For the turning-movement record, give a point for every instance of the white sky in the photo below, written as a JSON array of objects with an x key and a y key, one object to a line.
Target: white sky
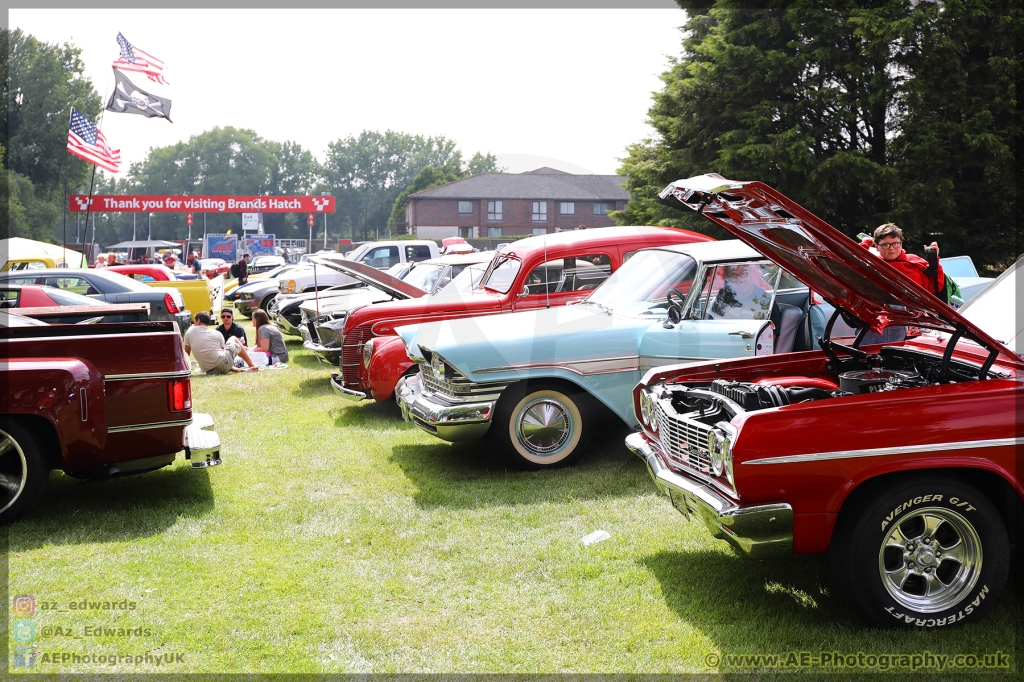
[{"x": 571, "y": 85}]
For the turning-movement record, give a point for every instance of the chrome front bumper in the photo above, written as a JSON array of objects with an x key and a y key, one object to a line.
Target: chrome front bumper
[
  {"x": 329, "y": 354},
  {"x": 284, "y": 325},
  {"x": 759, "y": 532},
  {"x": 202, "y": 447},
  {"x": 338, "y": 384},
  {"x": 448, "y": 421}
]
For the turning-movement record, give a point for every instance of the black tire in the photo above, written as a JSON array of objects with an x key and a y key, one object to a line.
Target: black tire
[
  {"x": 23, "y": 471},
  {"x": 922, "y": 554},
  {"x": 557, "y": 442}
]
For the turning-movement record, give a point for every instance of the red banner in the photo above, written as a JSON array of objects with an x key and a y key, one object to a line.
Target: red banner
[{"x": 79, "y": 203}]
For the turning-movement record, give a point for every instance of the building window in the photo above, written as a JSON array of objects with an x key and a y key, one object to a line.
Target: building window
[
  {"x": 567, "y": 208},
  {"x": 540, "y": 230},
  {"x": 540, "y": 210},
  {"x": 493, "y": 231},
  {"x": 465, "y": 207},
  {"x": 494, "y": 210},
  {"x": 600, "y": 209},
  {"x": 466, "y": 232}
]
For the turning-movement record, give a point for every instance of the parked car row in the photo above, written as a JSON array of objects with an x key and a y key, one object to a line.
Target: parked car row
[{"x": 742, "y": 366}]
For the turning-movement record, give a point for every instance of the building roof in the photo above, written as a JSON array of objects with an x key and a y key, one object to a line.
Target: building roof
[{"x": 538, "y": 184}]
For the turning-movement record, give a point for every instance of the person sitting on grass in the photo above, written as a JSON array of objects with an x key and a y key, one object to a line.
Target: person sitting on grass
[
  {"x": 229, "y": 329},
  {"x": 211, "y": 352},
  {"x": 269, "y": 338}
]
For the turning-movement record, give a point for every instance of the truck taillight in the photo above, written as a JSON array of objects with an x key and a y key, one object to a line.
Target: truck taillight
[
  {"x": 172, "y": 307},
  {"x": 179, "y": 393}
]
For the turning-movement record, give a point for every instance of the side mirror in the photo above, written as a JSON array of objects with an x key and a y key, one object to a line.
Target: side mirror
[
  {"x": 675, "y": 314},
  {"x": 525, "y": 291}
]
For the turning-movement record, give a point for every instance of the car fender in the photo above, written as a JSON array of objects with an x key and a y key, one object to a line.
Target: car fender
[{"x": 390, "y": 363}]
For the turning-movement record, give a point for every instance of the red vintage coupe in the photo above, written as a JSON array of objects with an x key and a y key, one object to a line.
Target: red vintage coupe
[{"x": 900, "y": 460}]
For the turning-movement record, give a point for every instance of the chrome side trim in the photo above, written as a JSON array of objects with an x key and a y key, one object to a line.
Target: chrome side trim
[
  {"x": 148, "y": 375},
  {"x": 595, "y": 366},
  {"x": 143, "y": 427},
  {"x": 884, "y": 452}
]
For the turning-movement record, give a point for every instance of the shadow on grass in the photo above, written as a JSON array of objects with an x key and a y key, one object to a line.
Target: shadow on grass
[
  {"x": 311, "y": 388},
  {"x": 721, "y": 595},
  {"x": 367, "y": 413},
  {"x": 309, "y": 361},
  {"x": 72, "y": 512},
  {"x": 466, "y": 475}
]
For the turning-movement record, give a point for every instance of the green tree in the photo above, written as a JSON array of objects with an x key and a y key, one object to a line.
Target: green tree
[
  {"x": 41, "y": 82},
  {"x": 836, "y": 104},
  {"x": 432, "y": 177}
]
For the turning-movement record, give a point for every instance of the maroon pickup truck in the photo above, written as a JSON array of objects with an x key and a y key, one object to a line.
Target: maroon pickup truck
[{"x": 94, "y": 401}]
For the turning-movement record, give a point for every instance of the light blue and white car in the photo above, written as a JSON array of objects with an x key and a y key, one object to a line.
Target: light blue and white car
[{"x": 537, "y": 382}]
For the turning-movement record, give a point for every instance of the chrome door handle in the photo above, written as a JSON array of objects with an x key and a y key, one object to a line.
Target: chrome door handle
[{"x": 745, "y": 335}]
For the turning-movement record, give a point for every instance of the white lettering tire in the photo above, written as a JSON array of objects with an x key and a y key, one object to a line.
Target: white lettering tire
[{"x": 924, "y": 553}]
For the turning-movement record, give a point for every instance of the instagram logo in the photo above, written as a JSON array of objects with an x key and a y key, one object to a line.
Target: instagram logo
[{"x": 25, "y": 605}]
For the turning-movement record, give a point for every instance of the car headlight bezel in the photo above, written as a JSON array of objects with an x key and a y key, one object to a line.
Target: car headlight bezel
[
  {"x": 721, "y": 441},
  {"x": 645, "y": 407},
  {"x": 368, "y": 353}
]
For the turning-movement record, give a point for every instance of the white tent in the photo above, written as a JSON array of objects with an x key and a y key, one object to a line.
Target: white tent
[{"x": 18, "y": 247}]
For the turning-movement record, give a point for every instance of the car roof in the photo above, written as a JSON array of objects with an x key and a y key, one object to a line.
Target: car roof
[
  {"x": 462, "y": 258},
  {"x": 595, "y": 236},
  {"x": 728, "y": 249}
]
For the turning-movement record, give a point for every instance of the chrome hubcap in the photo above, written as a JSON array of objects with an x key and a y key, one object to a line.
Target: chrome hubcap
[
  {"x": 544, "y": 425},
  {"x": 13, "y": 471},
  {"x": 930, "y": 560}
]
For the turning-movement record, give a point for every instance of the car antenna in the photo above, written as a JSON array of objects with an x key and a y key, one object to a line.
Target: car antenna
[
  {"x": 316, "y": 291},
  {"x": 547, "y": 287}
]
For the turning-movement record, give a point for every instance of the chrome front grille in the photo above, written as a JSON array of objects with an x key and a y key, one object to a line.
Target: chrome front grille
[
  {"x": 352, "y": 355},
  {"x": 432, "y": 374},
  {"x": 685, "y": 441}
]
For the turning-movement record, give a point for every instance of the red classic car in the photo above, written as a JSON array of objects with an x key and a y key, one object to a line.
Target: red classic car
[
  {"x": 900, "y": 460},
  {"x": 143, "y": 272},
  {"x": 541, "y": 271},
  {"x": 95, "y": 401}
]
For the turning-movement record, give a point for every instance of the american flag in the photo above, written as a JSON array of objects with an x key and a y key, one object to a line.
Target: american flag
[
  {"x": 86, "y": 142},
  {"x": 134, "y": 59}
]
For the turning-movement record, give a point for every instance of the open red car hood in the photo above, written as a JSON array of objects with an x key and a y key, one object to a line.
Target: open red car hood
[
  {"x": 372, "y": 276},
  {"x": 845, "y": 273}
]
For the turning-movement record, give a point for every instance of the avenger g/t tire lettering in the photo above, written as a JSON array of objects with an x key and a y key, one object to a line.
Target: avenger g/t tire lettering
[
  {"x": 541, "y": 426},
  {"x": 926, "y": 553}
]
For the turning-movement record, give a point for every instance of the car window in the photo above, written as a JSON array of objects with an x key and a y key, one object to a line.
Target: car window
[
  {"x": 744, "y": 292},
  {"x": 426, "y": 276},
  {"x": 545, "y": 278},
  {"x": 629, "y": 254},
  {"x": 67, "y": 297},
  {"x": 502, "y": 274},
  {"x": 8, "y": 298},
  {"x": 788, "y": 281},
  {"x": 381, "y": 257},
  {"x": 417, "y": 252},
  {"x": 76, "y": 285},
  {"x": 113, "y": 281},
  {"x": 22, "y": 280},
  {"x": 585, "y": 273},
  {"x": 29, "y": 265}
]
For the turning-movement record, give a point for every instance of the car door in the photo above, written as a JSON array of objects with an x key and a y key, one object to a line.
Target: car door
[{"x": 726, "y": 316}]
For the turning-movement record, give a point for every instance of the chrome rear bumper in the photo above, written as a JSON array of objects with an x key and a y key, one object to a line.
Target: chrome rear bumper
[
  {"x": 759, "y": 532},
  {"x": 448, "y": 421},
  {"x": 202, "y": 447}
]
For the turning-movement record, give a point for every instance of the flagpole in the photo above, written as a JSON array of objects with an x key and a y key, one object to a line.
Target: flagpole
[{"x": 65, "y": 239}]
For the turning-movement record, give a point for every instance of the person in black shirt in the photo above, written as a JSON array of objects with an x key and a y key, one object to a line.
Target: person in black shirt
[
  {"x": 228, "y": 328},
  {"x": 243, "y": 270}
]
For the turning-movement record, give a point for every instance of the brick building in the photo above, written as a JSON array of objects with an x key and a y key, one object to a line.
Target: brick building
[{"x": 504, "y": 204}]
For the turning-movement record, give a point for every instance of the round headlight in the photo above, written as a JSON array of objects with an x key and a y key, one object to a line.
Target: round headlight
[
  {"x": 719, "y": 448},
  {"x": 654, "y": 413},
  {"x": 645, "y": 407},
  {"x": 367, "y": 353}
]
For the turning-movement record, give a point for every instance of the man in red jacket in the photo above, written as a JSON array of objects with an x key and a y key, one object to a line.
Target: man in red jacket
[{"x": 888, "y": 239}]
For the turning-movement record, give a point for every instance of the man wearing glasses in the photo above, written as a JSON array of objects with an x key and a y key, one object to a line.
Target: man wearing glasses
[
  {"x": 228, "y": 328},
  {"x": 888, "y": 239}
]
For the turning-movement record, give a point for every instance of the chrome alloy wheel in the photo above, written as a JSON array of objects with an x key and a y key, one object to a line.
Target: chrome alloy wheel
[
  {"x": 930, "y": 560},
  {"x": 13, "y": 471},
  {"x": 544, "y": 426}
]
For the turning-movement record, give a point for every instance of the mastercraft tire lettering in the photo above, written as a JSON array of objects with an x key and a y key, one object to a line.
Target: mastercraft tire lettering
[{"x": 924, "y": 554}]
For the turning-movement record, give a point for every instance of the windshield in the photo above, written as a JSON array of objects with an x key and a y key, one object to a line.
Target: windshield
[
  {"x": 280, "y": 270},
  {"x": 425, "y": 276},
  {"x": 642, "y": 284},
  {"x": 502, "y": 274},
  {"x": 62, "y": 297},
  {"x": 357, "y": 253},
  {"x": 465, "y": 281},
  {"x": 994, "y": 310}
]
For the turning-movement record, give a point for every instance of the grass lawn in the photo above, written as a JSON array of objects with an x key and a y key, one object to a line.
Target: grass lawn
[{"x": 337, "y": 538}]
